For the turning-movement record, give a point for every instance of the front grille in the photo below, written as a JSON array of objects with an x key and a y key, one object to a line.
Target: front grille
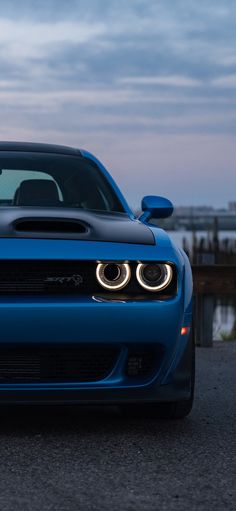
[
  {"x": 47, "y": 277},
  {"x": 64, "y": 277},
  {"x": 57, "y": 363}
]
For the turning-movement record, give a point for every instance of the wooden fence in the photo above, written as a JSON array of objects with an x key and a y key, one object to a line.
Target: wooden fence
[{"x": 210, "y": 251}]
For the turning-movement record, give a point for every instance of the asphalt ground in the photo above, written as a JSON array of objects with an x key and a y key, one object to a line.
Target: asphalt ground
[{"x": 64, "y": 458}]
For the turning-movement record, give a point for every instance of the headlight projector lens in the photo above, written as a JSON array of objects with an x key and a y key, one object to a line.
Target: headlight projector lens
[
  {"x": 113, "y": 276},
  {"x": 153, "y": 276}
]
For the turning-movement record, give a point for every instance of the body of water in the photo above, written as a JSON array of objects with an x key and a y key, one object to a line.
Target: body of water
[
  {"x": 178, "y": 236},
  {"x": 224, "y": 321}
]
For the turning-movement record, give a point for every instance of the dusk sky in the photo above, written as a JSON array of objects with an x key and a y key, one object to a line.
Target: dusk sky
[{"x": 149, "y": 86}]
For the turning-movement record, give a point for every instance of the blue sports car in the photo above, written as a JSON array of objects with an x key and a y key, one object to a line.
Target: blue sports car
[{"x": 95, "y": 304}]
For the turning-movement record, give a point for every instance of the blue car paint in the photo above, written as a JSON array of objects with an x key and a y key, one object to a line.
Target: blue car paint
[{"x": 84, "y": 319}]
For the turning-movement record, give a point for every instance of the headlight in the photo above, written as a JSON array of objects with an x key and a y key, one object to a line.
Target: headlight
[
  {"x": 154, "y": 276},
  {"x": 113, "y": 276}
]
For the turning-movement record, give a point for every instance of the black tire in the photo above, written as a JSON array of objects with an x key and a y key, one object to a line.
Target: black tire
[{"x": 170, "y": 411}]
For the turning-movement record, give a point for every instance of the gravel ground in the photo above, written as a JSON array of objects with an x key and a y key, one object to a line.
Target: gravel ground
[{"x": 92, "y": 459}]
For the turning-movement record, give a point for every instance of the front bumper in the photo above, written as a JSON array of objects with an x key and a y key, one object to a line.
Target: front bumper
[{"x": 27, "y": 321}]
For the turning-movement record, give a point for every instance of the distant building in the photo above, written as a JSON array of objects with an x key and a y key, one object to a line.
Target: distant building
[
  {"x": 201, "y": 218},
  {"x": 232, "y": 206},
  {"x": 192, "y": 210}
]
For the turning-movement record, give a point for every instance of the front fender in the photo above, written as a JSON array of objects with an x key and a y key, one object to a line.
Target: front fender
[{"x": 188, "y": 283}]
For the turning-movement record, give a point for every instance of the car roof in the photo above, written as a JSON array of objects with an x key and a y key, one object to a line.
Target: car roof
[{"x": 38, "y": 148}]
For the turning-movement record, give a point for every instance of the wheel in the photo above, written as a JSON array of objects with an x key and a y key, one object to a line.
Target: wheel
[{"x": 172, "y": 410}]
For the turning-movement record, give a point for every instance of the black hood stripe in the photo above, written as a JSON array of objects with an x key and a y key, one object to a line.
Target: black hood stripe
[{"x": 58, "y": 223}]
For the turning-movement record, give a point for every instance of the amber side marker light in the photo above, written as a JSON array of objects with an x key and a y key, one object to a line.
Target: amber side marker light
[{"x": 185, "y": 330}]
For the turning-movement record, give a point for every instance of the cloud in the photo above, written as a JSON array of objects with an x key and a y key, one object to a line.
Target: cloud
[
  {"x": 227, "y": 81},
  {"x": 172, "y": 81},
  {"x": 27, "y": 39},
  {"x": 122, "y": 79}
]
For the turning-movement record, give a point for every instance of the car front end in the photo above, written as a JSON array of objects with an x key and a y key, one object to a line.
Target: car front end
[{"x": 95, "y": 308}]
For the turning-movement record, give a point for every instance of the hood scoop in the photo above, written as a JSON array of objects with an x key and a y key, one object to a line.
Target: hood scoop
[
  {"x": 72, "y": 224},
  {"x": 52, "y": 226}
]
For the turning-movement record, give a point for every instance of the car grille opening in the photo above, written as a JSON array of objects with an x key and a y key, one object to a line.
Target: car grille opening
[
  {"x": 57, "y": 363},
  {"x": 47, "y": 277}
]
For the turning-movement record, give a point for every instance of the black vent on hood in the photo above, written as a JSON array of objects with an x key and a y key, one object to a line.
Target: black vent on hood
[
  {"x": 53, "y": 226},
  {"x": 77, "y": 224}
]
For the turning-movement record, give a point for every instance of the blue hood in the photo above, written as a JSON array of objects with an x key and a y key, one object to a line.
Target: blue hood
[{"x": 54, "y": 249}]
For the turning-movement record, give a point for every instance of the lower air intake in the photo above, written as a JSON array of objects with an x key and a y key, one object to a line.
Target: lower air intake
[
  {"x": 56, "y": 364},
  {"x": 141, "y": 362}
]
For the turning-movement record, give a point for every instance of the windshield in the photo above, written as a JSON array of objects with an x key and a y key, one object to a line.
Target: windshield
[{"x": 54, "y": 180}]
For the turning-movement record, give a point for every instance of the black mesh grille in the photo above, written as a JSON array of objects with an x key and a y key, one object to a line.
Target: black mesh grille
[
  {"x": 38, "y": 364},
  {"x": 47, "y": 277}
]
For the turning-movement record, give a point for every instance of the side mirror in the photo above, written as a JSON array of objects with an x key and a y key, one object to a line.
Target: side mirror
[{"x": 156, "y": 207}]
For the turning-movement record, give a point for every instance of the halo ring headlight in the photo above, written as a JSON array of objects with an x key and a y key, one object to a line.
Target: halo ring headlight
[
  {"x": 154, "y": 276},
  {"x": 113, "y": 276}
]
